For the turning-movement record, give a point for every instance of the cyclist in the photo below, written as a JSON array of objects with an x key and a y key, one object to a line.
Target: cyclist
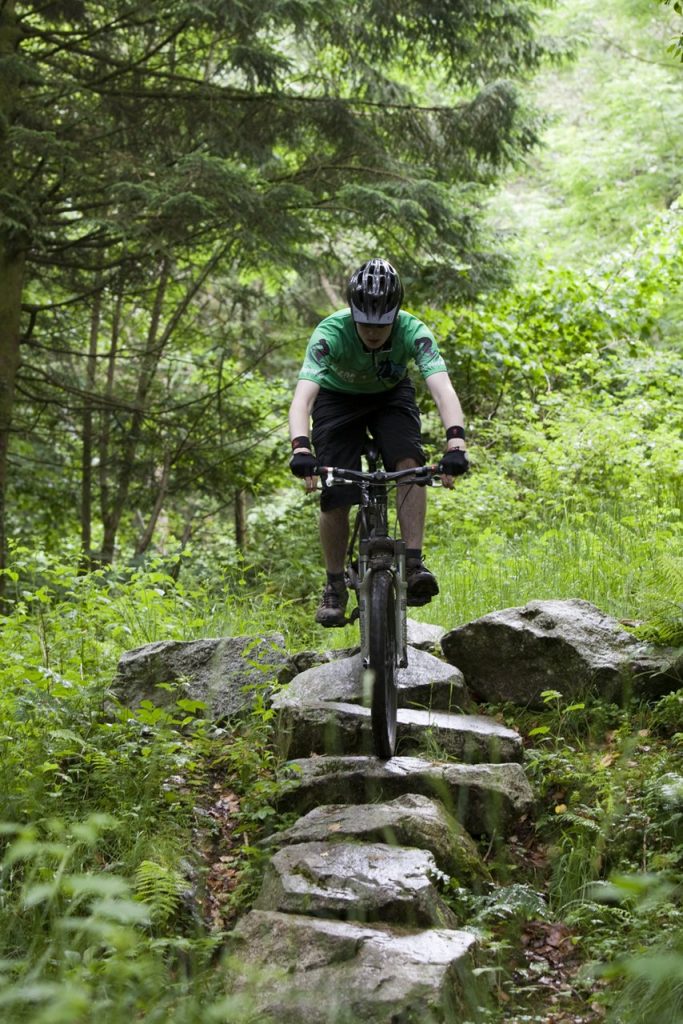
[{"x": 354, "y": 379}]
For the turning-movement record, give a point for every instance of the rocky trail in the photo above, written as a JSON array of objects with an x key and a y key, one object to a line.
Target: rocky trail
[{"x": 351, "y": 923}]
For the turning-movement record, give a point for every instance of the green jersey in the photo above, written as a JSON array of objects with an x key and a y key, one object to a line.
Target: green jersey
[{"x": 337, "y": 360}]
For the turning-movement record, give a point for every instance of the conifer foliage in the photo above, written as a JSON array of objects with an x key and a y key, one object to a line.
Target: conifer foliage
[{"x": 146, "y": 150}]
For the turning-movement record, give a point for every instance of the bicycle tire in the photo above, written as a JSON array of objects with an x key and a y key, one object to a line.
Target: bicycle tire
[{"x": 382, "y": 662}]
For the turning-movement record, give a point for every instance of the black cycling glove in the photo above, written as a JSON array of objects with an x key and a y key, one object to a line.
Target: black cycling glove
[
  {"x": 454, "y": 462},
  {"x": 303, "y": 464}
]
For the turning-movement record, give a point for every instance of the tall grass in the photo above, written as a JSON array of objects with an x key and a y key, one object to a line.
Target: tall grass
[
  {"x": 609, "y": 558},
  {"x": 600, "y": 559}
]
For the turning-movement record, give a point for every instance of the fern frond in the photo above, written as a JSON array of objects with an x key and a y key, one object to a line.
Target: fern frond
[
  {"x": 160, "y": 887},
  {"x": 586, "y": 824},
  {"x": 664, "y": 594}
]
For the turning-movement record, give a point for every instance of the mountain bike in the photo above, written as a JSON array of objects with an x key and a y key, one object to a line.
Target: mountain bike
[{"x": 376, "y": 571}]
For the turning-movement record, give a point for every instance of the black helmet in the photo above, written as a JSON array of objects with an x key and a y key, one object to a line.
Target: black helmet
[{"x": 375, "y": 293}]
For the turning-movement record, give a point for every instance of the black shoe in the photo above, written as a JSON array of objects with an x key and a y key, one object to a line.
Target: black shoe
[
  {"x": 332, "y": 608},
  {"x": 422, "y": 585}
]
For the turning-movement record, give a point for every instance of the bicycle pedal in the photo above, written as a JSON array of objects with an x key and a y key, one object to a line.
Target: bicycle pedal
[{"x": 355, "y": 614}]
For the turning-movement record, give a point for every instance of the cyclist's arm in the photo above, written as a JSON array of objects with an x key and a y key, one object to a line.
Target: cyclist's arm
[
  {"x": 305, "y": 394},
  {"x": 450, "y": 411},
  {"x": 299, "y": 420},
  {"x": 448, "y": 405}
]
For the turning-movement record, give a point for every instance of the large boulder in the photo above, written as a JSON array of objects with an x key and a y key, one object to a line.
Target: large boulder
[
  {"x": 569, "y": 646},
  {"x": 224, "y": 673},
  {"x": 356, "y": 881},
  {"x": 303, "y": 660},
  {"x": 422, "y": 636},
  {"x": 293, "y": 968},
  {"x": 425, "y": 636}
]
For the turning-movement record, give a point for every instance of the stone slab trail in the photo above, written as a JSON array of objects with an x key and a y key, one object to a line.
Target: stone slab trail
[{"x": 351, "y": 924}]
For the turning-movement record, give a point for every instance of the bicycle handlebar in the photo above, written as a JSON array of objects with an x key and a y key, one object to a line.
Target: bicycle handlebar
[{"x": 336, "y": 474}]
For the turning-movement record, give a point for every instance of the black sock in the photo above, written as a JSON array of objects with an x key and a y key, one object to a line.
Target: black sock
[
  {"x": 335, "y": 577},
  {"x": 414, "y": 554}
]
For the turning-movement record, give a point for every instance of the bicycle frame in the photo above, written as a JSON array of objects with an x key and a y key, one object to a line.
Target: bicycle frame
[
  {"x": 381, "y": 589},
  {"x": 376, "y": 548}
]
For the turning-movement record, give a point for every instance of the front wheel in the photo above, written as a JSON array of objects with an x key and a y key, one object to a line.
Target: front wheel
[{"x": 382, "y": 662}]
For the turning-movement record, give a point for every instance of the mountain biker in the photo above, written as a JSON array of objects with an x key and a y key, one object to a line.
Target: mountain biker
[{"x": 354, "y": 379}]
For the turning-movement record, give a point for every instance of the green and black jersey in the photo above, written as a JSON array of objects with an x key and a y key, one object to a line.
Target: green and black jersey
[{"x": 337, "y": 360}]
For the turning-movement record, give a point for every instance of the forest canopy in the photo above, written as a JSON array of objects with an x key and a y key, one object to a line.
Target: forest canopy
[{"x": 182, "y": 185}]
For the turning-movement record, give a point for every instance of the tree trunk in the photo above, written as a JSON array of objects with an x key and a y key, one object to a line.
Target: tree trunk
[
  {"x": 106, "y": 416},
  {"x": 146, "y": 535},
  {"x": 241, "y": 531},
  {"x": 12, "y": 259},
  {"x": 88, "y": 443},
  {"x": 149, "y": 363},
  {"x": 174, "y": 571},
  {"x": 11, "y": 284},
  {"x": 155, "y": 346}
]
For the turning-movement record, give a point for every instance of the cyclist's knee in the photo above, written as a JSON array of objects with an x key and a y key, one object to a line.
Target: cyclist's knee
[
  {"x": 407, "y": 463},
  {"x": 338, "y": 513}
]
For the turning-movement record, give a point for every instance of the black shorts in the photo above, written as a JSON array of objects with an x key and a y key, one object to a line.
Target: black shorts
[{"x": 342, "y": 421}]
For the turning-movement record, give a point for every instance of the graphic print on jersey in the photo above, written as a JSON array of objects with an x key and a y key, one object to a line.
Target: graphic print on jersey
[
  {"x": 425, "y": 348},
  {"x": 320, "y": 350}
]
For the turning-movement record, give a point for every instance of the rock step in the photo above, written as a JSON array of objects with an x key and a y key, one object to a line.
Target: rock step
[
  {"x": 356, "y": 881},
  {"x": 485, "y": 798},
  {"x": 410, "y": 820},
  {"x": 426, "y": 683},
  {"x": 296, "y": 969},
  {"x": 334, "y": 727}
]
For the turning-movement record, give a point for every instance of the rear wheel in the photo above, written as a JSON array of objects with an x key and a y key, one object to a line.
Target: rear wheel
[{"x": 382, "y": 662}]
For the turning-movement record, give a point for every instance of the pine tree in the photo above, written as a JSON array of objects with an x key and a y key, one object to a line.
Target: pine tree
[{"x": 147, "y": 149}]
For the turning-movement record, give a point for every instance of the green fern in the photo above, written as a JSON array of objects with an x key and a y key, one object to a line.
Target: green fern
[
  {"x": 664, "y": 597},
  {"x": 160, "y": 887},
  {"x": 102, "y": 763},
  {"x": 582, "y": 822}
]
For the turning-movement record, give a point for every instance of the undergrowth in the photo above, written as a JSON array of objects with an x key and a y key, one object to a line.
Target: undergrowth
[
  {"x": 595, "y": 885},
  {"x": 113, "y": 820}
]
